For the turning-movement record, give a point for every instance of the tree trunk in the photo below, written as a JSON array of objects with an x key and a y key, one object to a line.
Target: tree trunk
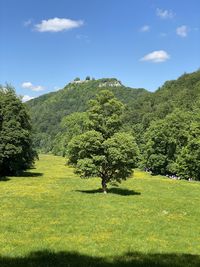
[{"x": 104, "y": 186}]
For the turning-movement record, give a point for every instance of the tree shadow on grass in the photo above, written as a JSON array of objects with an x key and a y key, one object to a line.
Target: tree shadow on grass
[
  {"x": 74, "y": 259},
  {"x": 21, "y": 175},
  {"x": 123, "y": 191},
  {"x": 113, "y": 190},
  {"x": 30, "y": 174},
  {"x": 4, "y": 179}
]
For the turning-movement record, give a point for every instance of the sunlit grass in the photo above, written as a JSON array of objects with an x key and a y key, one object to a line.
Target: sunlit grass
[{"x": 50, "y": 208}]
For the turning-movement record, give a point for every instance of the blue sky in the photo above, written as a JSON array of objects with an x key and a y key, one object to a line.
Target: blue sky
[{"x": 47, "y": 43}]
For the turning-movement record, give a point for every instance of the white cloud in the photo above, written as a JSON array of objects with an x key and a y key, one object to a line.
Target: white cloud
[
  {"x": 156, "y": 56},
  {"x": 26, "y": 98},
  {"x": 145, "y": 28},
  {"x": 164, "y": 13},
  {"x": 29, "y": 85},
  {"x": 57, "y": 25},
  {"x": 182, "y": 31}
]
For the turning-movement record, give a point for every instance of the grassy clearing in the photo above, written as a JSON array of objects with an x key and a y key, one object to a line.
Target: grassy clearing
[{"x": 51, "y": 217}]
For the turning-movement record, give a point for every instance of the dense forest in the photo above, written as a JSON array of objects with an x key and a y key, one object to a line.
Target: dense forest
[{"x": 165, "y": 123}]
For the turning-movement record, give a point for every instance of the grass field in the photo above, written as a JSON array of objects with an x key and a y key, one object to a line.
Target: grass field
[{"x": 51, "y": 217}]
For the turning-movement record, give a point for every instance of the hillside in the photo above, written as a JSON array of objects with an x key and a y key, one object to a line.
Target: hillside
[
  {"x": 182, "y": 93},
  {"x": 48, "y": 110}
]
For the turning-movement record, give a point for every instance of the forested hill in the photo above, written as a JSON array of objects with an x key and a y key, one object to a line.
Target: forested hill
[
  {"x": 143, "y": 107},
  {"x": 182, "y": 93},
  {"x": 48, "y": 110}
]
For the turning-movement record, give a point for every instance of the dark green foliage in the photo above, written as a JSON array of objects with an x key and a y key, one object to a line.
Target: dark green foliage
[
  {"x": 16, "y": 152},
  {"x": 188, "y": 162},
  {"x": 173, "y": 145},
  {"x": 164, "y": 140},
  {"x": 103, "y": 151}
]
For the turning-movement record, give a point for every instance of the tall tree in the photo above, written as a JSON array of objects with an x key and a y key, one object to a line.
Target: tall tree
[
  {"x": 103, "y": 151},
  {"x": 16, "y": 151}
]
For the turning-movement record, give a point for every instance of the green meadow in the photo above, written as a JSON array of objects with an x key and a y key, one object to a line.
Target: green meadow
[{"x": 51, "y": 217}]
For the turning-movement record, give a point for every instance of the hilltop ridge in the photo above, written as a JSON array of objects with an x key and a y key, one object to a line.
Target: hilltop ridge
[{"x": 110, "y": 82}]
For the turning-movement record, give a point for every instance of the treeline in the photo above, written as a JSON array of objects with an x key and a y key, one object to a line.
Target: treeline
[
  {"x": 16, "y": 149},
  {"x": 165, "y": 123}
]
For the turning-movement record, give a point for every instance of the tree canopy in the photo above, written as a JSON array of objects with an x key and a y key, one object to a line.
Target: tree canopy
[{"x": 16, "y": 151}]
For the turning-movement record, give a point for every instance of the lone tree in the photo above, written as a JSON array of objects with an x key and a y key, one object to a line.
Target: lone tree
[
  {"x": 77, "y": 79},
  {"x": 87, "y": 78},
  {"x": 16, "y": 151},
  {"x": 103, "y": 151}
]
